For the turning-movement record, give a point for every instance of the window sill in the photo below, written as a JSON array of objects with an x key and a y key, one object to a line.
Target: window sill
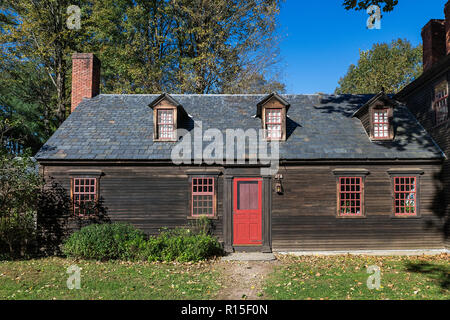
[
  {"x": 164, "y": 140},
  {"x": 406, "y": 217},
  {"x": 202, "y": 216},
  {"x": 351, "y": 217},
  {"x": 84, "y": 217},
  {"x": 381, "y": 139}
]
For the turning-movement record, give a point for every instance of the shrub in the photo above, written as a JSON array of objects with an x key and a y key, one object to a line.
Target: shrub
[
  {"x": 182, "y": 245},
  {"x": 20, "y": 185},
  {"x": 202, "y": 225},
  {"x": 121, "y": 241},
  {"x": 104, "y": 241},
  {"x": 17, "y": 231}
]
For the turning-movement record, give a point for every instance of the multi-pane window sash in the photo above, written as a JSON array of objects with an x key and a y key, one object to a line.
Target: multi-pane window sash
[
  {"x": 273, "y": 123},
  {"x": 350, "y": 196},
  {"x": 440, "y": 103},
  {"x": 380, "y": 124},
  {"x": 165, "y": 124},
  {"x": 405, "y": 196},
  {"x": 84, "y": 196},
  {"x": 203, "y": 196}
]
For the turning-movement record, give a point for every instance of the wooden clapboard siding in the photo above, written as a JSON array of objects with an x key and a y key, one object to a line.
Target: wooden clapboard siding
[
  {"x": 149, "y": 197},
  {"x": 304, "y": 216},
  {"x": 365, "y": 120}
]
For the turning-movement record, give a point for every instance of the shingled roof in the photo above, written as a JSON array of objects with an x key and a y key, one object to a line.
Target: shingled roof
[{"x": 120, "y": 127}]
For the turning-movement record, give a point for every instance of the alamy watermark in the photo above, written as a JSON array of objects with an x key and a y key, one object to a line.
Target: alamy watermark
[
  {"x": 235, "y": 146},
  {"x": 374, "y": 21},
  {"x": 374, "y": 280},
  {"x": 74, "y": 280},
  {"x": 74, "y": 19}
]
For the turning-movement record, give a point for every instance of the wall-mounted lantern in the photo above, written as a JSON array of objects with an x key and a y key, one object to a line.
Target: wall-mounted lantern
[{"x": 278, "y": 185}]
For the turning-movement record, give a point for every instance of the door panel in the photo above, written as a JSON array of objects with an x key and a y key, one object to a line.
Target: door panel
[{"x": 247, "y": 211}]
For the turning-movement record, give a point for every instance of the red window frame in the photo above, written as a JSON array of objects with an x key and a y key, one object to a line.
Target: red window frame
[
  {"x": 440, "y": 103},
  {"x": 405, "y": 196},
  {"x": 84, "y": 191},
  {"x": 165, "y": 124},
  {"x": 203, "y": 200},
  {"x": 381, "y": 124},
  {"x": 351, "y": 195},
  {"x": 274, "y": 119}
]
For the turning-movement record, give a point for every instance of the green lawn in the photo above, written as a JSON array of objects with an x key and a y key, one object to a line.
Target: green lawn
[
  {"x": 308, "y": 277},
  {"x": 345, "y": 277},
  {"x": 47, "y": 278}
]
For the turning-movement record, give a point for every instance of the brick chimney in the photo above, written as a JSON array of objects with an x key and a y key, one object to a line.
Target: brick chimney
[
  {"x": 447, "y": 26},
  {"x": 85, "y": 77},
  {"x": 433, "y": 37}
]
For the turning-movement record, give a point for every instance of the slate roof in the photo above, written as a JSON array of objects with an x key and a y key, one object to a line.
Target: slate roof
[{"x": 120, "y": 127}]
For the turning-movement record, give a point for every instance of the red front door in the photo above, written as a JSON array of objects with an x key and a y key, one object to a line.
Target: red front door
[{"x": 247, "y": 214}]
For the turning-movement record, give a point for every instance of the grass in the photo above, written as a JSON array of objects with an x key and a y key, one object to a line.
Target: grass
[
  {"x": 47, "y": 278},
  {"x": 345, "y": 277},
  {"x": 307, "y": 277}
]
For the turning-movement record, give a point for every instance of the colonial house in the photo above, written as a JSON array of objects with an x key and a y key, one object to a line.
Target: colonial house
[{"x": 273, "y": 172}]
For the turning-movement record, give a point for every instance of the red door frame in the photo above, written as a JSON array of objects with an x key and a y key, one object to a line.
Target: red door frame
[{"x": 236, "y": 213}]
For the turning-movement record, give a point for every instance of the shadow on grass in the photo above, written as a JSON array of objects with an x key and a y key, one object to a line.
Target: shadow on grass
[{"x": 440, "y": 273}]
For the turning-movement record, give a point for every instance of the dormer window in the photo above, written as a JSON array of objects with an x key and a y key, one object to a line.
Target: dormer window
[
  {"x": 440, "y": 102},
  {"x": 273, "y": 110},
  {"x": 381, "y": 124},
  {"x": 377, "y": 116},
  {"x": 166, "y": 124},
  {"x": 274, "y": 123},
  {"x": 167, "y": 115}
]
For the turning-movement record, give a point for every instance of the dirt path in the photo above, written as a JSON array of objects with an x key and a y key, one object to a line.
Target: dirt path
[{"x": 244, "y": 279}]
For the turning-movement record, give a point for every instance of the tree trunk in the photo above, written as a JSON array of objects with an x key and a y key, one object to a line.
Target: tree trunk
[{"x": 60, "y": 69}]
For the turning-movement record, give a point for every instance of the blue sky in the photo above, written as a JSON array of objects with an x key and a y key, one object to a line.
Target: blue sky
[{"x": 320, "y": 39}]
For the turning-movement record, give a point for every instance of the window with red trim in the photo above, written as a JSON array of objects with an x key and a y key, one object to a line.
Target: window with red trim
[
  {"x": 405, "y": 196},
  {"x": 350, "y": 196},
  {"x": 165, "y": 124},
  {"x": 440, "y": 102},
  {"x": 203, "y": 199},
  {"x": 380, "y": 124},
  {"x": 274, "y": 124},
  {"x": 84, "y": 196}
]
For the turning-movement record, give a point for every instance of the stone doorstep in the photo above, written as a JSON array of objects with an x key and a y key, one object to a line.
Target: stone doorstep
[{"x": 249, "y": 256}]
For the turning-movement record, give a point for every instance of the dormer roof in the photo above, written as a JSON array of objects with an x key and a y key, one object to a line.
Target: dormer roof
[
  {"x": 268, "y": 98},
  {"x": 167, "y": 97},
  {"x": 164, "y": 96},
  {"x": 381, "y": 96}
]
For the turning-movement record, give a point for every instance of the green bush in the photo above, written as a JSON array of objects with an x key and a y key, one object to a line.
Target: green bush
[
  {"x": 103, "y": 242},
  {"x": 20, "y": 186},
  {"x": 17, "y": 231},
  {"x": 202, "y": 225},
  {"x": 121, "y": 241},
  {"x": 182, "y": 245}
]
